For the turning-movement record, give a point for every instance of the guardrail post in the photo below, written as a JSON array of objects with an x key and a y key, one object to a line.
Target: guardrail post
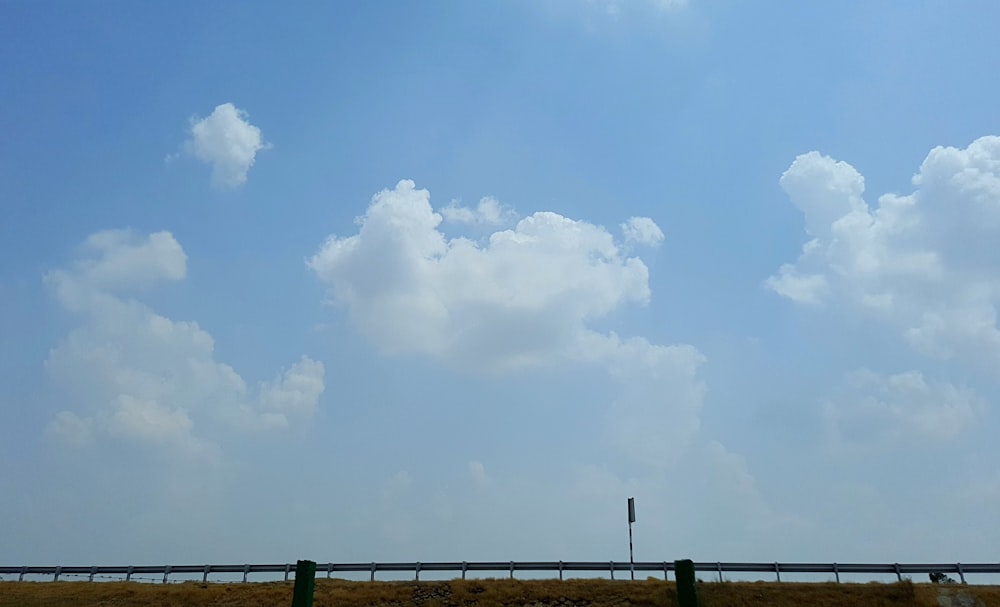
[
  {"x": 373, "y": 572},
  {"x": 718, "y": 567},
  {"x": 560, "y": 570},
  {"x": 288, "y": 567},
  {"x": 57, "y": 572},
  {"x": 464, "y": 567},
  {"x": 246, "y": 571},
  {"x": 961, "y": 574},
  {"x": 204, "y": 573},
  {"x": 93, "y": 570},
  {"x": 611, "y": 566},
  {"x": 329, "y": 570},
  {"x": 24, "y": 570},
  {"x": 128, "y": 574},
  {"x": 666, "y": 576},
  {"x": 512, "y": 570},
  {"x": 899, "y": 576},
  {"x": 836, "y": 572},
  {"x": 305, "y": 584},
  {"x": 687, "y": 589},
  {"x": 166, "y": 572},
  {"x": 416, "y": 573},
  {"x": 777, "y": 571}
]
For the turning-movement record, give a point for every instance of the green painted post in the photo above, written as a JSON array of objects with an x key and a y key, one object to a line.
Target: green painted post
[
  {"x": 687, "y": 589},
  {"x": 305, "y": 583}
]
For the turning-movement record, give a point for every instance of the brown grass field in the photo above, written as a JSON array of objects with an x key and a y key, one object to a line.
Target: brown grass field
[{"x": 494, "y": 593}]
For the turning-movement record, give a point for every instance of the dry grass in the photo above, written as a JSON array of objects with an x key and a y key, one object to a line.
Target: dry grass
[{"x": 493, "y": 593}]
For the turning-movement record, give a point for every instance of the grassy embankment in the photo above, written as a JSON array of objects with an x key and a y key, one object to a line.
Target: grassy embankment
[{"x": 494, "y": 593}]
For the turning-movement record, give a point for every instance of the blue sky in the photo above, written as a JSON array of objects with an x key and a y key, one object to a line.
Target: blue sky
[{"x": 421, "y": 281}]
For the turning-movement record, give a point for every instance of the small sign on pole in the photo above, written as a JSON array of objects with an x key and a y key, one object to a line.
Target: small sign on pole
[{"x": 631, "y": 510}]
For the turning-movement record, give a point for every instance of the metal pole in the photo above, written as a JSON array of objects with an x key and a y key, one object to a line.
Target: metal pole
[
  {"x": 631, "y": 560},
  {"x": 631, "y": 519}
]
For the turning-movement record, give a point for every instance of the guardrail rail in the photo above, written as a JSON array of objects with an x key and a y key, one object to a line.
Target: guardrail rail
[{"x": 509, "y": 567}]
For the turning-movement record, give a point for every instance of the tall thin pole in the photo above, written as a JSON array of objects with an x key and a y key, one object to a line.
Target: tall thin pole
[
  {"x": 631, "y": 519},
  {"x": 631, "y": 560}
]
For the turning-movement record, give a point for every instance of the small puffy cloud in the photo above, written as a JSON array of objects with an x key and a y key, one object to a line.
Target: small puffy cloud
[
  {"x": 133, "y": 374},
  {"x": 227, "y": 142},
  {"x": 642, "y": 230},
  {"x": 926, "y": 262},
  {"x": 489, "y": 212},
  {"x": 871, "y": 408}
]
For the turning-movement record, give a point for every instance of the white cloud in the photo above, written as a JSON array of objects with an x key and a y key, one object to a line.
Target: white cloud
[
  {"x": 642, "y": 230},
  {"x": 489, "y": 212},
  {"x": 116, "y": 261},
  {"x": 524, "y": 298},
  {"x": 926, "y": 263},
  {"x": 134, "y": 374},
  {"x": 228, "y": 142},
  {"x": 871, "y": 408},
  {"x": 519, "y": 300},
  {"x": 803, "y": 289}
]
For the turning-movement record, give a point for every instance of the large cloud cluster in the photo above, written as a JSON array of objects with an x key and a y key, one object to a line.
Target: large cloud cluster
[
  {"x": 523, "y": 297},
  {"x": 925, "y": 263}
]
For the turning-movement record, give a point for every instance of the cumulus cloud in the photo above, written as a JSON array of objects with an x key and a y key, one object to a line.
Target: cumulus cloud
[
  {"x": 871, "y": 408},
  {"x": 134, "y": 374},
  {"x": 526, "y": 297},
  {"x": 642, "y": 230},
  {"x": 926, "y": 262},
  {"x": 516, "y": 301},
  {"x": 227, "y": 142},
  {"x": 489, "y": 212}
]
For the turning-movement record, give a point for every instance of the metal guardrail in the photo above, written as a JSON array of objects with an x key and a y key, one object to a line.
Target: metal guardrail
[{"x": 897, "y": 569}]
